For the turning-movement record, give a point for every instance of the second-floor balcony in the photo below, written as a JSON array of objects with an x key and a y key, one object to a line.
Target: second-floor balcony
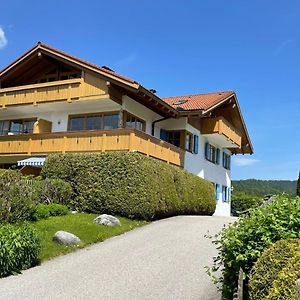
[
  {"x": 90, "y": 141},
  {"x": 223, "y": 131}
]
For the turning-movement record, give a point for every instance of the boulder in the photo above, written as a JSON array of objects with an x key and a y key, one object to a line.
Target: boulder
[
  {"x": 65, "y": 238},
  {"x": 107, "y": 220}
]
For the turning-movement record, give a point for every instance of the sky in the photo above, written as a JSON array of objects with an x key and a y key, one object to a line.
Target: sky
[{"x": 186, "y": 47}]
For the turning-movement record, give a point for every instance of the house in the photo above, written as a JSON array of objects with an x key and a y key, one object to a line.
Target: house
[{"x": 53, "y": 102}]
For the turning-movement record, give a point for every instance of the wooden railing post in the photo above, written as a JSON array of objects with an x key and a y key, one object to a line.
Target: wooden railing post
[
  {"x": 64, "y": 145},
  {"x": 104, "y": 142},
  {"x": 148, "y": 147},
  {"x": 131, "y": 141},
  {"x": 29, "y": 146}
]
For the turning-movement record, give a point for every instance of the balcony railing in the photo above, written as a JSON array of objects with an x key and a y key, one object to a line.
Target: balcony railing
[
  {"x": 91, "y": 141},
  {"x": 62, "y": 90},
  {"x": 221, "y": 126}
]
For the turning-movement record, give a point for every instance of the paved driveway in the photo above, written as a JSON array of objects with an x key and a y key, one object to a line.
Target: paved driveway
[{"x": 163, "y": 260}]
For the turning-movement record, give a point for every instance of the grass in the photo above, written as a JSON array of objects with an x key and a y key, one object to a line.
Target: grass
[{"x": 81, "y": 225}]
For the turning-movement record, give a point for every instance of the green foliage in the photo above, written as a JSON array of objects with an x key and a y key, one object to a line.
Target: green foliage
[
  {"x": 298, "y": 186},
  {"x": 44, "y": 211},
  {"x": 53, "y": 191},
  {"x": 19, "y": 248},
  {"x": 276, "y": 271},
  {"x": 242, "y": 201},
  {"x": 18, "y": 202},
  {"x": 240, "y": 244},
  {"x": 265, "y": 187},
  {"x": 131, "y": 185},
  {"x": 7, "y": 178},
  {"x": 82, "y": 226}
]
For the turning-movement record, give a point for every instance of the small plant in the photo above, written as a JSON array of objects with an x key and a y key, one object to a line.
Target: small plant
[
  {"x": 44, "y": 211},
  {"x": 20, "y": 248}
]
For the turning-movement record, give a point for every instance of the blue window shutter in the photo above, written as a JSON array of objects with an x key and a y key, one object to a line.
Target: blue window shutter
[
  {"x": 229, "y": 162},
  {"x": 218, "y": 156},
  {"x": 163, "y": 134},
  {"x": 206, "y": 150},
  {"x": 224, "y": 163},
  {"x": 196, "y": 144},
  {"x": 229, "y": 194}
]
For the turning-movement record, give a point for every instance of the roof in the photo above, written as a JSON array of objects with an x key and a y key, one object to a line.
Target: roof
[
  {"x": 198, "y": 101},
  {"x": 46, "y": 47}
]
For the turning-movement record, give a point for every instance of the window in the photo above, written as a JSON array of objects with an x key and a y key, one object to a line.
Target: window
[
  {"x": 135, "y": 122},
  {"x": 196, "y": 144},
  {"x": 189, "y": 142},
  {"x": 15, "y": 127},
  {"x": 226, "y": 193},
  {"x": 173, "y": 137},
  {"x": 94, "y": 121},
  {"x": 217, "y": 191},
  {"x": 226, "y": 161},
  {"x": 212, "y": 153}
]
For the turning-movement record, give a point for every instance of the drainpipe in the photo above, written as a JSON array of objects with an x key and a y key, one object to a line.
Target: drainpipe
[{"x": 159, "y": 120}]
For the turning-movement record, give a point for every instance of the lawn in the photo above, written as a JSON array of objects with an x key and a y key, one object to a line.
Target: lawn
[{"x": 80, "y": 225}]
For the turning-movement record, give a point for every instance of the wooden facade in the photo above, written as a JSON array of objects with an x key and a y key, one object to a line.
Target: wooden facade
[{"x": 91, "y": 141}]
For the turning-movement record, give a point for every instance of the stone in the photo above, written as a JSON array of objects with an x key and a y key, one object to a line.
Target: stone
[
  {"x": 107, "y": 220},
  {"x": 66, "y": 238}
]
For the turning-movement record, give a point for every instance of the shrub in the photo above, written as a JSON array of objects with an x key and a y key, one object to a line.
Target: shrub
[
  {"x": 53, "y": 191},
  {"x": 276, "y": 271},
  {"x": 20, "y": 246},
  {"x": 242, "y": 201},
  {"x": 18, "y": 202},
  {"x": 44, "y": 211},
  {"x": 130, "y": 184},
  {"x": 240, "y": 244},
  {"x": 7, "y": 178}
]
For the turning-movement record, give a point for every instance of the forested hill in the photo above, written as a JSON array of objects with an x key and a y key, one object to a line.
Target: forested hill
[{"x": 265, "y": 187}]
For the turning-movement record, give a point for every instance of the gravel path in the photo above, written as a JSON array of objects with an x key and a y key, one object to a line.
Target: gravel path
[{"x": 162, "y": 260}]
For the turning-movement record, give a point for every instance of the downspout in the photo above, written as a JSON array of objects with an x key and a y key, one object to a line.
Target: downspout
[{"x": 159, "y": 120}]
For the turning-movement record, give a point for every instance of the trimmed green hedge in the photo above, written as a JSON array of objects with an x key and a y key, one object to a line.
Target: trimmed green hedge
[
  {"x": 242, "y": 201},
  {"x": 241, "y": 243},
  {"x": 44, "y": 211},
  {"x": 19, "y": 248},
  {"x": 276, "y": 271},
  {"x": 131, "y": 185}
]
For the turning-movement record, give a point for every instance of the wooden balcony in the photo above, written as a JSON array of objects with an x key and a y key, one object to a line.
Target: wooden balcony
[
  {"x": 90, "y": 141},
  {"x": 232, "y": 138},
  {"x": 62, "y": 90}
]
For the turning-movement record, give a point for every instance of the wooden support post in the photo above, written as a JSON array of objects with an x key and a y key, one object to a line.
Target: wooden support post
[{"x": 69, "y": 93}]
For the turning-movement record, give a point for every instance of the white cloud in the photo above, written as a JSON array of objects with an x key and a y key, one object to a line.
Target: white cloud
[
  {"x": 3, "y": 39},
  {"x": 244, "y": 162}
]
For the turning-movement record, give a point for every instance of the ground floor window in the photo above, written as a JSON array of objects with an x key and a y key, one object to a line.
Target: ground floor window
[
  {"x": 226, "y": 193},
  {"x": 97, "y": 121},
  {"x": 15, "y": 127}
]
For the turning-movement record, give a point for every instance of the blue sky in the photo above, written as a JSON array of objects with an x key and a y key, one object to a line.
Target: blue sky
[{"x": 185, "y": 47}]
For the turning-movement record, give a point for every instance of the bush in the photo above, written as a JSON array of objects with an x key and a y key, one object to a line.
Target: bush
[
  {"x": 276, "y": 271},
  {"x": 54, "y": 191},
  {"x": 44, "y": 211},
  {"x": 7, "y": 178},
  {"x": 240, "y": 244},
  {"x": 20, "y": 246},
  {"x": 242, "y": 201},
  {"x": 18, "y": 202},
  {"x": 130, "y": 184}
]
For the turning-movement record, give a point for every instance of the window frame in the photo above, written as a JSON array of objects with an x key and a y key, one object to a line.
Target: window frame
[
  {"x": 226, "y": 161},
  {"x": 212, "y": 154},
  {"x": 23, "y": 121},
  {"x": 100, "y": 114},
  {"x": 137, "y": 119}
]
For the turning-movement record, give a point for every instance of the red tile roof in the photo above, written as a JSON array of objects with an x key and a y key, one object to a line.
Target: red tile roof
[{"x": 198, "y": 101}]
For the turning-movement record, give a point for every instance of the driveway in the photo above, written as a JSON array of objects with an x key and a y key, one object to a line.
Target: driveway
[{"x": 162, "y": 260}]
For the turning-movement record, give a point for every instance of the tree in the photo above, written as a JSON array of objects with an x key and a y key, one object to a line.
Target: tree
[{"x": 298, "y": 185}]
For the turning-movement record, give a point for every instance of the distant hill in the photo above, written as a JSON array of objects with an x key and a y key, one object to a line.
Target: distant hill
[{"x": 264, "y": 187}]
